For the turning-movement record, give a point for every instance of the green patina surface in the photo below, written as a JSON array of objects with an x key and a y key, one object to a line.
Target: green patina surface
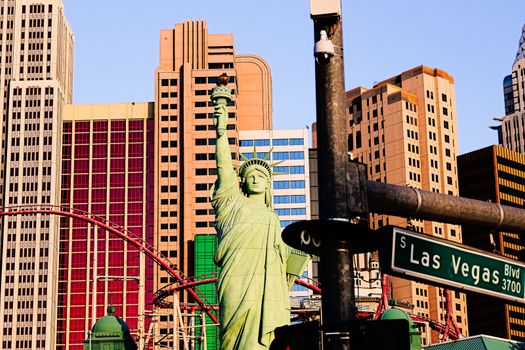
[
  {"x": 398, "y": 314},
  {"x": 253, "y": 286},
  {"x": 110, "y": 333},
  {"x": 479, "y": 342},
  {"x": 205, "y": 249}
]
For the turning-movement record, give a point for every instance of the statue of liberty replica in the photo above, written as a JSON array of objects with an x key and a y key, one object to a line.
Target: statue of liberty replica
[{"x": 253, "y": 285}]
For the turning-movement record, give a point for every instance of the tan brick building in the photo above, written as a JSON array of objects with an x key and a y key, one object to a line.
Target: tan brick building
[
  {"x": 191, "y": 59},
  {"x": 404, "y": 129}
]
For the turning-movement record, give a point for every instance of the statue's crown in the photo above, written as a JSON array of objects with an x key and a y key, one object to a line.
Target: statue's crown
[{"x": 262, "y": 163}]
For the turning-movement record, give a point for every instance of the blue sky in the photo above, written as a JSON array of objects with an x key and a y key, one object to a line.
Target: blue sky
[{"x": 116, "y": 49}]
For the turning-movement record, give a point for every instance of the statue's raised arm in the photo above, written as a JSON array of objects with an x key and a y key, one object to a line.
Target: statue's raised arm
[{"x": 221, "y": 96}]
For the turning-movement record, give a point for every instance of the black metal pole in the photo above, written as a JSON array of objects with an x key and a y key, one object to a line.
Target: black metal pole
[
  {"x": 336, "y": 264},
  {"x": 411, "y": 202}
]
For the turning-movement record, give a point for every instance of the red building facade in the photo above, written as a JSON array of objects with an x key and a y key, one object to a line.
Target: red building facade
[{"x": 107, "y": 170}]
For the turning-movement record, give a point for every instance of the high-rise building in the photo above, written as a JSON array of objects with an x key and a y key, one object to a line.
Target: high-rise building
[
  {"x": 107, "y": 171},
  {"x": 191, "y": 59},
  {"x": 404, "y": 129},
  {"x": 36, "y": 81},
  {"x": 511, "y": 132},
  {"x": 494, "y": 174}
]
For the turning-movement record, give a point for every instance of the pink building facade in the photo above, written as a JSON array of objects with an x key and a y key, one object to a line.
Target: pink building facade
[{"x": 106, "y": 171}]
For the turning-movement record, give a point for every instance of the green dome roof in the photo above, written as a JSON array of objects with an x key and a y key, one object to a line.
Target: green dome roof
[
  {"x": 395, "y": 314},
  {"x": 110, "y": 324},
  {"x": 398, "y": 314}
]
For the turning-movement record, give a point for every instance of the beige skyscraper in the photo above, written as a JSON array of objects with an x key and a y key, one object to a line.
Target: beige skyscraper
[
  {"x": 36, "y": 81},
  {"x": 404, "y": 129},
  {"x": 191, "y": 59}
]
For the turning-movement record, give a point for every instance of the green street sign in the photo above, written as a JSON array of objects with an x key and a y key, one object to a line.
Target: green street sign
[{"x": 441, "y": 262}]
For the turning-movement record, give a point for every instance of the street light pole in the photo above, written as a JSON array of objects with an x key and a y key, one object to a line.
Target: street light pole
[{"x": 336, "y": 263}]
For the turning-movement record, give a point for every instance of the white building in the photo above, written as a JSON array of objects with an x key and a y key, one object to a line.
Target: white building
[{"x": 36, "y": 81}]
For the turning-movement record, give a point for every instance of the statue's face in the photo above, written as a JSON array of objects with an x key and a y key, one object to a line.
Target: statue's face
[{"x": 255, "y": 182}]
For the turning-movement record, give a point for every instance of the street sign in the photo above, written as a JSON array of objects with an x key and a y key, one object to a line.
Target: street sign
[
  {"x": 437, "y": 261},
  {"x": 311, "y": 236}
]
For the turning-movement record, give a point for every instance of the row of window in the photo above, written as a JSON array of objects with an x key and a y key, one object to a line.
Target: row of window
[
  {"x": 285, "y": 223},
  {"x": 294, "y": 169},
  {"x": 168, "y": 94},
  {"x": 411, "y": 107},
  {"x": 275, "y": 142},
  {"x": 414, "y": 176},
  {"x": 171, "y": 227},
  {"x": 293, "y": 155},
  {"x": 290, "y": 211},
  {"x": 168, "y": 82},
  {"x": 211, "y": 142},
  {"x": 287, "y": 199},
  {"x": 282, "y": 185}
]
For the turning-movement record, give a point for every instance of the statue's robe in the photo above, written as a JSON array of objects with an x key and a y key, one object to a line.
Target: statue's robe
[{"x": 252, "y": 285}]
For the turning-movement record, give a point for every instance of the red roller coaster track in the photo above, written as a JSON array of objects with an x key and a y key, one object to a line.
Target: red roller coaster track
[
  {"x": 122, "y": 233},
  {"x": 183, "y": 282}
]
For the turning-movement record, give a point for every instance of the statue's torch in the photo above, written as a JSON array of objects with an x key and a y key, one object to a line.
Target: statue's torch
[{"x": 220, "y": 96}]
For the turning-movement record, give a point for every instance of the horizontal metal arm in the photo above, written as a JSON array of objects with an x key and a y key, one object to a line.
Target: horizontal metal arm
[{"x": 404, "y": 201}]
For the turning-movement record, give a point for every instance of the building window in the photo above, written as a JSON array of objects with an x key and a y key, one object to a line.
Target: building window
[
  {"x": 282, "y": 211},
  {"x": 279, "y": 142},
  {"x": 298, "y": 198},
  {"x": 281, "y": 169},
  {"x": 358, "y": 139},
  {"x": 281, "y": 199},
  {"x": 264, "y": 142},
  {"x": 243, "y": 143},
  {"x": 296, "y": 155},
  {"x": 296, "y": 142},
  {"x": 281, "y": 185},
  {"x": 298, "y": 211},
  {"x": 298, "y": 169},
  {"x": 281, "y": 156},
  {"x": 297, "y": 184}
]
